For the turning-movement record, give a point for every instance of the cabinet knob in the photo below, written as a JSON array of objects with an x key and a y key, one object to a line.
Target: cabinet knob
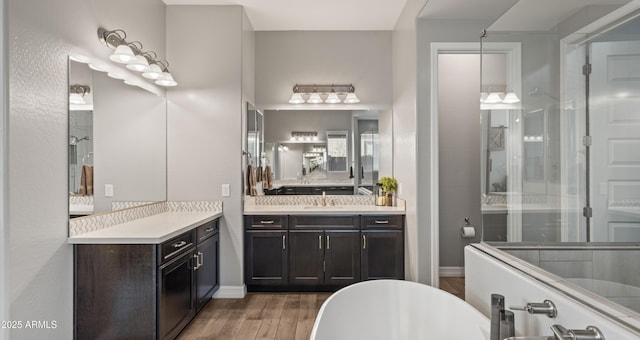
[
  {"x": 266, "y": 222},
  {"x": 382, "y": 222},
  {"x": 208, "y": 230},
  {"x": 319, "y": 241},
  {"x": 364, "y": 241},
  {"x": 327, "y": 241},
  {"x": 284, "y": 242}
]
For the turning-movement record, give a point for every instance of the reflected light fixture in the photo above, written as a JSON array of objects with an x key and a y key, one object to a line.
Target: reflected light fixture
[
  {"x": 131, "y": 54},
  {"x": 493, "y": 98},
  {"x": 334, "y": 94},
  {"x": 511, "y": 98},
  {"x": 77, "y": 93},
  {"x": 304, "y": 136}
]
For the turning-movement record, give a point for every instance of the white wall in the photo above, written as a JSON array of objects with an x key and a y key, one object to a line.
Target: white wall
[
  {"x": 286, "y": 58},
  {"x": 385, "y": 134},
  {"x": 4, "y": 182},
  {"x": 417, "y": 258},
  {"x": 41, "y": 35},
  {"x": 205, "y": 46},
  {"x": 129, "y": 143}
]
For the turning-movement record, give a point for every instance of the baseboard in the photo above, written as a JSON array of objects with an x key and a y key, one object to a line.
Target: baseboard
[
  {"x": 231, "y": 292},
  {"x": 451, "y": 271}
]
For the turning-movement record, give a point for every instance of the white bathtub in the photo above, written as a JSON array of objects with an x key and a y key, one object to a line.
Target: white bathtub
[{"x": 394, "y": 309}]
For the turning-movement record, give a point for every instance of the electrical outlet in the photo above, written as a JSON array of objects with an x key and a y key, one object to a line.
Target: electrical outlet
[
  {"x": 108, "y": 190},
  {"x": 226, "y": 191}
]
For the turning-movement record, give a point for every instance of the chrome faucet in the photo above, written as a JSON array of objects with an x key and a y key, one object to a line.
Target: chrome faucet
[
  {"x": 497, "y": 306},
  {"x": 591, "y": 333},
  {"x": 324, "y": 199},
  {"x": 547, "y": 307}
]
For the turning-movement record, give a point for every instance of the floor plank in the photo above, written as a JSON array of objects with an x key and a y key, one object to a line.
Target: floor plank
[{"x": 270, "y": 316}]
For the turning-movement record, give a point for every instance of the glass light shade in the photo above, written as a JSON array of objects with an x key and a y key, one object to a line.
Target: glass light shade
[
  {"x": 314, "y": 98},
  {"x": 511, "y": 98},
  {"x": 351, "y": 98},
  {"x": 76, "y": 98},
  {"x": 123, "y": 54},
  {"x": 153, "y": 72},
  {"x": 493, "y": 98},
  {"x": 115, "y": 75},
  {"x": 98, "y": 67},
  {"x": 333, "y": 98},
  {"x": 139, "y": 63},
  {"x": 166, "y": 79},
  {"x": 296, "y": 98}
]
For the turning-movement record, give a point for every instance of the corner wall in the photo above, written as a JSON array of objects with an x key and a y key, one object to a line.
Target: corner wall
[
  {"x": 41, "y": 35},
  {"x": 205, "y": 113}
]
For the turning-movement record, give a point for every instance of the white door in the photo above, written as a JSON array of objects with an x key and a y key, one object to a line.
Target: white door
[{"x": 615, "y": 128}]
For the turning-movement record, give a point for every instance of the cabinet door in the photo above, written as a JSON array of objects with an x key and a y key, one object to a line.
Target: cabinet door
[
  {"x": 266, "y": 257},
  {"x": 176, "y": 295},
  {"x": 306, "y": 255},
  {"x": 342, "y": 257},
  {"x": 382, "y": 254},
  {"x": 207, "y": 273}
]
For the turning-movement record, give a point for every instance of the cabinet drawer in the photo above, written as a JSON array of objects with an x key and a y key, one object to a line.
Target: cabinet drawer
[
  {"x": 324, "y": 222},
  {"x": 265, "y": 222},
  {"x": 382, "y": 221},
  {"x": 207, "y": 230},
  {"x": 176, "y": 246}
]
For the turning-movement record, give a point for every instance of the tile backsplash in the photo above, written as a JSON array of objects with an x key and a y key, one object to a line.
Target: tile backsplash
[
  {"x": 90, "y": 223},
  {"x": 311, "y": 199}
]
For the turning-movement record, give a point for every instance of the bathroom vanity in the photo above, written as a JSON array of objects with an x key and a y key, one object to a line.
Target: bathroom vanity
[
  {"x": 145, "y": 278},
  {"x": 321, "y": 248}
]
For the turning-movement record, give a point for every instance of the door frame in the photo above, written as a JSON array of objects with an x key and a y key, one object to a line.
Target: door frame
[{"x": 513, "y": 51}]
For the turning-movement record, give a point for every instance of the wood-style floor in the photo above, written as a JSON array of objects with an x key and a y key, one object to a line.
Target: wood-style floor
[{"x": 262, "y": 316}]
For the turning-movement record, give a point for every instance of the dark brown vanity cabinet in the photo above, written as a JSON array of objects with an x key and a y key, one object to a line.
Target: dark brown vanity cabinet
[
  {"x": 207, "y": 268},
  {"x": 320, "y": 252},
  {"x": 382, "y": 247},
  {"x": 324, "y": 257},
  {"x": 266, "y": 251},
  {"x": 144, "y": 291}
]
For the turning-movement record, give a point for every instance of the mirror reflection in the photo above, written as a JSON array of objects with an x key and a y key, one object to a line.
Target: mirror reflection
[
  {"x": 117, "y": 143},
  {"x": 311, "y": 151}
]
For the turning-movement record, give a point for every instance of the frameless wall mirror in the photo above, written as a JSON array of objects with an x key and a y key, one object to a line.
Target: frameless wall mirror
[
  {"x": 117, "y": 143},
  {"x": 339, "y": 149}
]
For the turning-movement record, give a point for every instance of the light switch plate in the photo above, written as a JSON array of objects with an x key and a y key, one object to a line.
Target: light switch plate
[
  {"x": 226, "y": 192},
  {"x": 108, "y": 190}
]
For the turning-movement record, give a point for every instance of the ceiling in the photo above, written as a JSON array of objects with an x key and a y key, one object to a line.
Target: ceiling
[{"x": 305, "y": 15}]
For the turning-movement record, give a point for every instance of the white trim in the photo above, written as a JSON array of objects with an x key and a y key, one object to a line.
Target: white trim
[
  {"x": 451, "y": 271},
  {"x": 514, "y": 59},
  {"x": 230, "y": 292}
]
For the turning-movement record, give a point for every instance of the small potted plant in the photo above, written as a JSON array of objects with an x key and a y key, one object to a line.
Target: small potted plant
[{"x": 389, "y": 186}]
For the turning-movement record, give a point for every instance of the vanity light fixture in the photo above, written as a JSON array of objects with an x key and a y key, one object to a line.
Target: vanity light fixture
[
  {"x": 304, "y": 136},
  {"x": 131, "y": 54},
  {"x": 77, "y": 93},
  {"x": 332, "y": 94}
]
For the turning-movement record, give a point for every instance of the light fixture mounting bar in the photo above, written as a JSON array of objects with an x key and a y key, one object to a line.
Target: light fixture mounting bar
[{"x": 340, "y": 88}]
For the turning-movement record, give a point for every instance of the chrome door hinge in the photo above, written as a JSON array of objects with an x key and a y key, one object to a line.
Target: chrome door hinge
[
  {"x": 587, "y": 140},
  {"x": 587, "y": 212},
  {"x": 586, "y": 69}
]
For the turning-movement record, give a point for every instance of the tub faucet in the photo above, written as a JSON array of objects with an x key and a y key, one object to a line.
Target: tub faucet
[
  {"x": 547, "y": 307},
  {"x": 497, "y": 306},
  {"x": 591, "y": 333}
]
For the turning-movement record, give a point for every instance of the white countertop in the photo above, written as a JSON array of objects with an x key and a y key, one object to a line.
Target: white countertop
[
  {"x": 320, "y": 210},
  {"x": 148, "y": 230}
]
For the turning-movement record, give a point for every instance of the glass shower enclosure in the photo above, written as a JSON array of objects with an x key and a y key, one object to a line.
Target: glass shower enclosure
[{"x": 560, "y": 120}]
